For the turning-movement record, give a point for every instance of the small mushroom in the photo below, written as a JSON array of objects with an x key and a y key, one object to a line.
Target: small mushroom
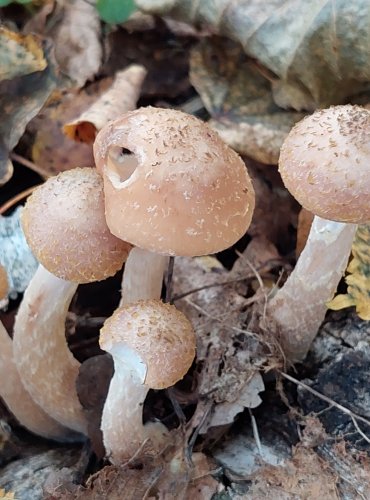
[
  {"x": 65, "y": 227},
  {"x": 172, "y": 187},
  {"x": 324, "y": 163},
  {"x": 153, "y": 346},
  {"x": 19, "y": 402}
]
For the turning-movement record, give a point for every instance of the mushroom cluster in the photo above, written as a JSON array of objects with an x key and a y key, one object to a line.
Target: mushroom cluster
[{"x": 166, "y": 184}]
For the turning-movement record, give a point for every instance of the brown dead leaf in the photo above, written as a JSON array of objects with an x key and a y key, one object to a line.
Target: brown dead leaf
[
  {"x": 228, "y": 353},
  {"x": 52, "y": 150},
  {"x": 121, "y": 97}
]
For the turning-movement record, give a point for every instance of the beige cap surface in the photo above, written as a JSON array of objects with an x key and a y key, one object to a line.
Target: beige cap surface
[
  {"x": 158, "y": 333},
  {"x": 183, "y": 191},
  {"x": 65, "y": 227},
  {"x": 325, "y": 163}
]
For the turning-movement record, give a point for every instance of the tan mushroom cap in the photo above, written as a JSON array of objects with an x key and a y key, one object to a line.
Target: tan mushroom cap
[
  {"x": 325, "y": 163},
  {"x": 183, "y": 191},
  {"x": 65, "y": 227},
  {"x": 4, "y": 285},
  {"x": 158, "y": 333}
]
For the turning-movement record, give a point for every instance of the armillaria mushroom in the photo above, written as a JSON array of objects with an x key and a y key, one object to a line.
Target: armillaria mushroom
[
  {"x": 172, "y": 187},
  {"x": 65, "y": 227},
  {"x": 324, "y": 163},
  {"x": 153, "y": 346},
  {"x": 19, "y": 402},
  {"x": 4, "y": 286}
]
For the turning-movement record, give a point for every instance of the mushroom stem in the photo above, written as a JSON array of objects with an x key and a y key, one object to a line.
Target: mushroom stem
[
  {"x": 299, "y": 307},
  {"x": 20, "y": 403},
  {"x": 122, "y": 419},
  {"x": 143, "y": 276},
  {"x": 46, "y": 365}
]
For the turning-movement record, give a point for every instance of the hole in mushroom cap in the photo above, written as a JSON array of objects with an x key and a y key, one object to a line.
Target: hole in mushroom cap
[{"x": 122, "y": 162}]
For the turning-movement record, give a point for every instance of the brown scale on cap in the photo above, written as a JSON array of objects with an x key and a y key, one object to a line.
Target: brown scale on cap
[
  {"x": 324, "y": 163},
  {"x": 183, "y": 191},
  {"x": 159, "y": 334},
  {"x": 65, "y": 227}
]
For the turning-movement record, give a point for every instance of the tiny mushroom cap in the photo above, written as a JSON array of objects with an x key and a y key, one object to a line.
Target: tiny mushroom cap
[
  {"x": 182, "y": 191},
  {"x": 65, "y": 227},
  {"x": 155, "y": 337},
  {"x": 325, "y": 160},
  {"x": 4, "y": 285}
]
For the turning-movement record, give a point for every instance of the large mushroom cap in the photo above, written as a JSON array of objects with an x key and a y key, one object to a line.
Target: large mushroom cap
[
  {"x": 158, "y": 334},
  {"x": 325, "y": 163},
  {"x": 65, "y": 227},
  {"x": 182, "y": 191}
]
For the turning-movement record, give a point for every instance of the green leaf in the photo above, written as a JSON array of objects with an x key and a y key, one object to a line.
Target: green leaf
[
  {"x": 115, "y": 11},
  {"x": 4, "y": 3}
]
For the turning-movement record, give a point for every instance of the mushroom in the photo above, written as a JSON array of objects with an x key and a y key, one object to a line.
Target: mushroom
[
  {"x": 153, "y": 346},
  {"x": 19, "y": 402},
  {"x": 4, "y": 286},
  {"x": 172, "y": 187},
  {"x": 65, "y": 227},
  {"x": 324, "y": 163}
]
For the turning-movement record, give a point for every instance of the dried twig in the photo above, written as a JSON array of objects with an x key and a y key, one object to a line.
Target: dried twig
[
  {"x": 29, "y": 164},
  {"x": 354, "y": 416}
]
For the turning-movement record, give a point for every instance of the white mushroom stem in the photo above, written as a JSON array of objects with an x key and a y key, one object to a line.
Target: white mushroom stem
[
  {"x": 122, "y": 419},
  {"x": 143, "y": 276},
  {"x": 19, "y": 402},
  {"x": 46, "y": 365},
  {"x": 299, "y": 307}
]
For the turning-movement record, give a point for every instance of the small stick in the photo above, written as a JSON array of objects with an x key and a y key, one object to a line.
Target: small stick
[
  {"x": 29, "y": 164},
  {"x": 340, "y": 407}
]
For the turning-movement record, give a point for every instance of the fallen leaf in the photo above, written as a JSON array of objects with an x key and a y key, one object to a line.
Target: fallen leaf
[
  {"x": 20, "y": 54},
  {"x": 314, "y": 53},
  {"x": 121, "y": 97},
  {"x": 225, "y": 413},
  {"x": 358, "y": 277},
  {"x": 74, "y": 27},
  {"x": 22, "y": 96},
  {"x": 77, "y": 41},
  {"x": 51, "y": 149},
  {"x": 240, "y": 100}
]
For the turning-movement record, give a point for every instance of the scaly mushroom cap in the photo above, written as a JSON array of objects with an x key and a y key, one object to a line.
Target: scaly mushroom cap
[
  {"x": 65, "y": 227},
  {"x": 4, "y": 285},
  {"x": 325, "y": 163},
  {"x": 183, "y": 191},
  {"x": 158, "y": 334}
]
